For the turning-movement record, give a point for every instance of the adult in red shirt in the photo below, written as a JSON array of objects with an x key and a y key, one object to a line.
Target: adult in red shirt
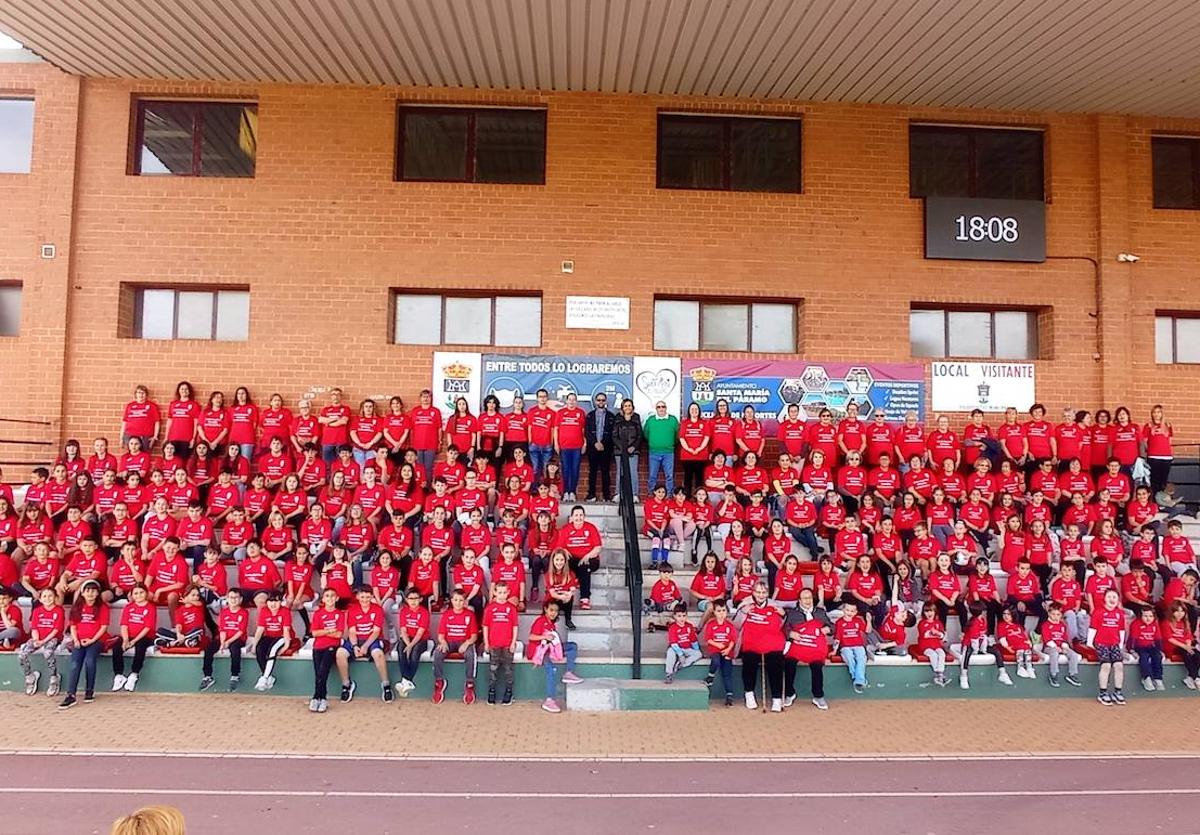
[
  {"x": 721, "y": 428},
  {"x": 695, "y": 442},
  {"x": 761, "y": 625},
  {"x": 1126, "y": 440},
  {"x": 1073, "y": 439},
  {"x": 396, "y": 428},
  {"x": 973, "y": 436},
  {"x": 909, "y": 441},
  {"x": 851, "y": 434},
  {"x": 1156, "y": 446},
  {"x": 822, "y": 438},
  {"x": 426, "y": 435},
  {"x": 462, "y": 429},
  {"x": 749, "y": 434},
  {"x": 141, "y": 419},
  {"x": 243, "y": 422},
  {"x": 365, "y": 432},
  {"x": 943, "y": 444},
  {"x": 880, "y": 437},
  {"x": 790, "y": 433},
  {"x": 274, "y": 422},
  {"x": 212, "y": 427},
  {"x": 1011, "y": 435},
  {"x": 581, "y": 540},
  {"x": 1102, "y": 435},
  {"x": 305, "y": 429},
  {"x": 541, "y": 432},
  {"x": 491, "y": 429},
  {"x": 1040, "y": 438},
  {"x": 182, "y": 414},
  {"x": 335, "y": 425},
  {"x": 568, "y": 443}
]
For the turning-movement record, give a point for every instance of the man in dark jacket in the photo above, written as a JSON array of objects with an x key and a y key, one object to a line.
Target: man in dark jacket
[
  {"x": 597, "y": 432},
  {"x": 627, "y": 439}
]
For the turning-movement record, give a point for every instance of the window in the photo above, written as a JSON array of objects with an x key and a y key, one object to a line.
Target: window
[
  {"x": 684, "y": 325},
  {"x": 195, "y": 139},
  {"x": 1177, "y": 338},
  {"x": 16, "y": 135},
  {"x": 165, "y": 313},
  {"x": 997, "y": 334},
  {"x": 728, "y": 153},
  {"x": 426, "y": 319},
  {"x": 472, "y": 145},
  {"x": 1176, "y": 162},
  {"x": 10, "y": 309},
  {"x": 948, "y": 161}
]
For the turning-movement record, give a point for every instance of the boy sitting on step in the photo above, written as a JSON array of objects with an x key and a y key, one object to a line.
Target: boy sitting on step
[
  {"x": 664, "y": 595},
  {"x": 683, "y": 643}
]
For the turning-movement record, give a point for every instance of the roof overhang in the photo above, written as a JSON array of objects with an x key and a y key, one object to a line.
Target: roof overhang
[{"x": 1115, "y": 56}]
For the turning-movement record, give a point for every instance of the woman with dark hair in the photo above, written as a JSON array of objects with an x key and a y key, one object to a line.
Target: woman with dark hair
[
  {"x": 1102, "y": 435},
  {"x": 695, "y": 441},
  {"x": 182, "y": 414},
  {"x": 627, "y": 440},
  {"x": 1156, "y": 446},
  {"x": 491, "y": 429},
  {"x": 212, "y": 427},
  {"x": 1126, "y": 439},
  {"x": 243, "y": 422}
]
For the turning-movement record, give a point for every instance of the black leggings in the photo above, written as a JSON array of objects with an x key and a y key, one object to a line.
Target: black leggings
[
  {"x": 139, "y": 655},
  {"x": 817, "y": 673},
  {"x": 235, "y": 657},
  {"x": 266, "y": 651},
  {"x": 943, "y": 611},
  {"x": 773, "y": 661},
  {"x": 322, "y": 663},
  {"x": 1160, "y": 472},
  {"x": 693, "y": 475},
  {"x": 583, "y": 572},
  {"x": 968, "y": 652},
  {"x": 1191, "y": 662}
]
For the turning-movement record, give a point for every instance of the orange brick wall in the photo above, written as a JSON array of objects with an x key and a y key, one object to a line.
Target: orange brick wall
[{"x": 322, "y": 232}]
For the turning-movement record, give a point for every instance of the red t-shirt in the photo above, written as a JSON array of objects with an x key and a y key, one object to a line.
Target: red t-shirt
[
  {"x": 541, "y": 425},
  {"x": 1109, "y": 624},
  {"x": 324, "y": 619},
  {"x": 569, "y": 423},
  {"x": 500, "y": 621},
  {"x": 426, "y": 428},
  {"x": 181, "y": 420},
  {"x": 851, "y": 632}
]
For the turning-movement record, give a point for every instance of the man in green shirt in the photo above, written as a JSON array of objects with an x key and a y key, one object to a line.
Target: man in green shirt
[{"x": 662, "y": 432}]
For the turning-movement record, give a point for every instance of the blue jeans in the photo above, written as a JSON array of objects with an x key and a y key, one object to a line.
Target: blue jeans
[
  {"x": 83, "y": 659},
  {"x": 570, "y": 650},
  {"x": 806, "y": 537},
  {"x": 248, "y": 452},
  {"x": 410, "y": 661},
  {"x": 570, "y": 469},
  {"x": 539, "y": 456},
  {"x": 362, "y": 456},
  {"x": 856, "y": 662},
  {"x": 1150, "y": 662},
  {"x": 425, "y": 458},
  {"x": 716, "y": 662},
  {"x": 329, "y": 453},
  {"x": 664, "y": 462}
]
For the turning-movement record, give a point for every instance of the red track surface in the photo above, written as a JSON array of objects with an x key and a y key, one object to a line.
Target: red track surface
[{"x": 42, "y": 794}]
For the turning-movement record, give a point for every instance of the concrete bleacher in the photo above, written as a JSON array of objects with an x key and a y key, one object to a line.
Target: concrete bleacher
[{"x": 605, "y": 640}]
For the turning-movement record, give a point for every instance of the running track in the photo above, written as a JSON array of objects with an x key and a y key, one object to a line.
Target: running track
[{"x": 78, "y": 793}]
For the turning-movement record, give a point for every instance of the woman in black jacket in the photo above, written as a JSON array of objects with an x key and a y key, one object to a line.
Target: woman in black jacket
[{"x": 627, "y": 440}]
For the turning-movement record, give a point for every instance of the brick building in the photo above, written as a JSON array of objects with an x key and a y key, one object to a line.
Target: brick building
[{"x": 327, "y": 230}]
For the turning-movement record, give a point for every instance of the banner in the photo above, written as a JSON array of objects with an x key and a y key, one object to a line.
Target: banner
[
  {"x": 990, "y": 386},
  {"x": 456, "y": 374},
  {"x": 770, "y": 387},
  {"x": 509, "y": 375},
  {"x": 656, "y": 379}
]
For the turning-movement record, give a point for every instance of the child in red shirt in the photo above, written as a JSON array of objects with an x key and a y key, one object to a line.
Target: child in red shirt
[
  {"x": 664, "y": 595},
  {"x": 1145, "y": 639},
  {"x": 1011, "y": 636},
  {"x": 931, "y": 642},
  {"x": 720, "y": 640},
  {"x": 683, "y": 643},
  {"x": 1106, "y": 635},
  {"x": 850, "y": 638},
  {"x": 500, "y": 638}
]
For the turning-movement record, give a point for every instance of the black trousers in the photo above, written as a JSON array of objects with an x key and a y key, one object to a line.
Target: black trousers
[
  {"x": 816, "y": 670},
  {"x": 599, "y": 463},
  {"x": 693, "y": 476},
  {"x": 139, "y": 655},
  {"x": 773, "y": 661},
  {"x": 322, "y": 663}
]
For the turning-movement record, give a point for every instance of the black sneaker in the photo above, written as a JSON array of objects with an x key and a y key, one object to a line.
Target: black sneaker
[
  {"x": 234, "y": 681},
  {"x": 206, "y": 683},
  {"x": 1104, "y": 699},
  {"x": 570, "y": 625},
  {"x": 69, "y": 701},
  {"x": 1074, "y": 681},
  {"x": 348, "y": 691},
  {"x": 709, "y": 679},
  {"x": 491, "y": 696},
  {"x": 508, "y": 699},
  {"x": 388, "y": 695},
  {"x": 89, "y": 696},
  {"x": 1118, "y": 698},
  {"x": 728, "y": 700}
]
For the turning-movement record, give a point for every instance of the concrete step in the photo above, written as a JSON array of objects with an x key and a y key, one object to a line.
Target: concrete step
[{"x": 607, "y": 694}]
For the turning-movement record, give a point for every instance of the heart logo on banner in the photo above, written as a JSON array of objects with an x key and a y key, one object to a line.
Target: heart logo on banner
[{"x": 657, "y": 384}]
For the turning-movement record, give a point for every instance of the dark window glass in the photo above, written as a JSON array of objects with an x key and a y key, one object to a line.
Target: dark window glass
[
  {"x": 766, "y": 154},
  {"x": 197, "y": 139},
  {"x": 975, "y": 162},
  {"x": 472, "y": 145},
  {"x": 728, "y": 153},
  {"x": 510, "y": 146},
  {"x": 1176, "y": 162}
]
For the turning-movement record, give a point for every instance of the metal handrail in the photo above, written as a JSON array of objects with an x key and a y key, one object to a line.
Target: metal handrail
[{"x": 633, "y": 558}]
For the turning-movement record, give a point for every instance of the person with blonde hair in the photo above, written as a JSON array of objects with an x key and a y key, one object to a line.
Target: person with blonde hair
[{"x": 151, "y": 820}]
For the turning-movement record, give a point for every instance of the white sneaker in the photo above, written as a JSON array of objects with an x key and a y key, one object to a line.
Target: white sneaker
[
  {"x": 408, "y": 686},
  {"x": 1189, "y": 683},
  {"x": 1005, "y": 678},
  {"x": 312, "y": 705},
  {"x": 31, "y": 682},
  {"x": 776, "y": 705},
  {"x": 118, "y": 683},
  {"x": 131, "y": 682},
  {"x": 270, "y": 682},
  {"x": 261, "y": 684},
  {"x": 1148, "y": 684},
  {"x": 789, "y": 700},
  {"x": 964, "y": 681},
  {"x": 751, "y": 702}
]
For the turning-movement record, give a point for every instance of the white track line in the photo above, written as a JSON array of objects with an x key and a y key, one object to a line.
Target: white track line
[
  {"x": 1063, "y": 756},
  {"x": 464, "y": 795}
]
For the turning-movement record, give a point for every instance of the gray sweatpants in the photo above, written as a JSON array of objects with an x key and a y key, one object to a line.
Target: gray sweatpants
[
  {"x": 470, "y": 659},
  {"x": 46, "y": 650},
  {"x": 1054, "y": 653}
]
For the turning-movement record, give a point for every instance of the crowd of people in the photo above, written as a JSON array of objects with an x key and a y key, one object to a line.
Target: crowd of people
[{"x": 365, "y": 524}]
